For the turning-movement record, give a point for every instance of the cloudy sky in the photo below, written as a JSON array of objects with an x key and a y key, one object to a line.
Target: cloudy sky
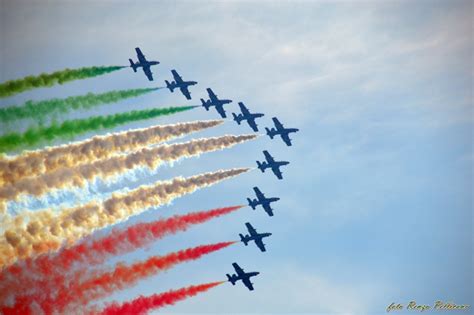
[{"x": 376, "y": 205}]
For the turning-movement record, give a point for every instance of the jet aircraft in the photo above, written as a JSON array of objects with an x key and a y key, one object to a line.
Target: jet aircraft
[
  {"x": 180, "y": 83},
  {"x": 263, "y": 201},
  {"x": 271, "y": 163},
  {"x": 246, "y": 115},
  {"x": 214, "y": 101},
  {"x": 242, "y": 275},
  {"x": 280, "y": 130},
  {"x": 143, "y": 63},
  {"x": 254, "y": 236}
]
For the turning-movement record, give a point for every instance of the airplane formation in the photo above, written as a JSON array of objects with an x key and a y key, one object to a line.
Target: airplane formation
[{"x": 268, "y": 163}]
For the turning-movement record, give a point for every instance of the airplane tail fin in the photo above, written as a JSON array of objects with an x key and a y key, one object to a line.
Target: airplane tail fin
[
  {"x": 204, "y": 104},
  {"x": 169, "y": 86},
  {"x": 236, "y": 118},
  {"x": 260, "y": 166},
  {"x": 269, "y": 133},
  {"x": 244, "y": 240},
  {"x": 251, "y": 203},
  {"x": 231, "y": 280},
  {"x": 134, "y": 66}
]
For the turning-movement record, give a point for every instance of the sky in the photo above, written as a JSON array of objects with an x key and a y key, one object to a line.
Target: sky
[{"x": 376, "y": 205}]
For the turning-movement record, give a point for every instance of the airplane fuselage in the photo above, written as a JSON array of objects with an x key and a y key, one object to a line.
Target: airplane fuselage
[
  {"x": 270, "y": 200},
  {"x": 275, "y": 165},
  {"x": 146, "y": 64},
  {"x": 245, "y": 276},
  {"x": 218, "y": 103},
  {"x": 273, "y": 132},
  {"x": 183, "y": 84},
  {"x": 259, "y": 236},
  {"x": 241, "y": 117},
  {"x": 264, "y": 202}
]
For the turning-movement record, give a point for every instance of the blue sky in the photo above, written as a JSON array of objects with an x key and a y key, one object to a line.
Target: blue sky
[{"x": 376, "y": 205}]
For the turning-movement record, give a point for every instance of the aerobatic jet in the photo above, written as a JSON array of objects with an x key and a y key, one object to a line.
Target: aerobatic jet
[
  {"x": 280, "y": 130},
  {"x": 180, "y": 83},
  {"x": 242, "y": 275},
  {"x": 143, "y": 63},
  {"x": 254, "y": 236},
  {"x": 263, "y": 201},
  {"x": 271, "y": 163},
  {"x": 216, "y": 102},
  {"x": 246, "y": 115}
]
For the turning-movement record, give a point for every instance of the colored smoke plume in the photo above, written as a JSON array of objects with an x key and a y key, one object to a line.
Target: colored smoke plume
[
  {"x": 75, "y": 127},
  {"x": 143, "y": 304},
  {"x": 39, "y": 109},
  {"x": 13, "y": 87}
]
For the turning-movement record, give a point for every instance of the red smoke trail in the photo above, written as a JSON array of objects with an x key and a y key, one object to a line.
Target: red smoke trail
[
  {"x": 45, "y": 270},
  {"x": 80, "y": 289},
  {"x": 143, "y": 304},
  {"x": 21, "y": 307},
  {"x": 136, "y": 236}
]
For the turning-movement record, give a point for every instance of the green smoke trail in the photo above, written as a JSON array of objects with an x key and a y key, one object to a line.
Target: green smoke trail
[
  {"x": 13, "y": 87},
  {"x": 71, "y": 128},
  {"x": 40, "y": 109}
]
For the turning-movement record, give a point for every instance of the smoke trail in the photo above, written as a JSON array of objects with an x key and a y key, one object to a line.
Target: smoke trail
[
  {"x": 13, "y": 87},
  {"x": 40, "y": 109},
  {"x": 32, "y": 163},
  {"x": 71, "y": 128},
  {"x": 81, "y": 289},
  {"x": 143, "y": 304},
  {"x": 21, "y": 307},
  {"x": 151, "y": 157},
  {"x": 26, "y": 275},
  {"x": 45, "y": 231}
]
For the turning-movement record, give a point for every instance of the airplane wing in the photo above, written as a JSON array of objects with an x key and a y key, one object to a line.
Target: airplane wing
[
  {"x": 221, "y": 111},
  {"x": 212, "y": 96},
  {"x": 259, "y": 194},
  {"x": 286, "y": 138},
  {"x": 244, "y": 109},
  {"x": 148, "y": 73},
  {"x": 268, "y": 209},
  {"x": 277, "y": 172},
  {"x": 237, "y": 268},
  {"x": 247, "y": 283},
  {"x": 251, "y": 228},
  {"x": 177, "y": 77},
  {"x": 185, "y": 92},
  {"x": 277, "y": 123},
  {"x": 140, "y": 55},
  {"x": 268, "y": 157},
  {"x": 260, "y": 244},
  {"x": 252, "y": 124}
]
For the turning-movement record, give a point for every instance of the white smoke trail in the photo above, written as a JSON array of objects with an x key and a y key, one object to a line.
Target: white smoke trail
[
  {"x": 32, "y": 163},
  {"x": 80, "y": 175}
]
